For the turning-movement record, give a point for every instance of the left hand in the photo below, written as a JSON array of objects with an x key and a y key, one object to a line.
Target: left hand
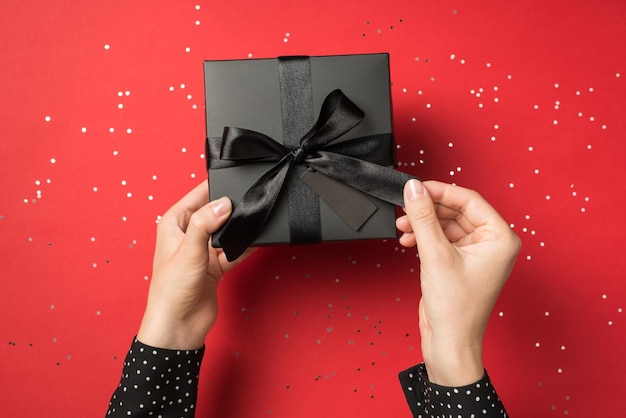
[{"x": 182, "y": 300}]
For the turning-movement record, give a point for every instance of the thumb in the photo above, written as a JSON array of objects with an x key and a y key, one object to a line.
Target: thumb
[
  {"x": 422, "y": 216},
  {"x": 202, "y": 224}
]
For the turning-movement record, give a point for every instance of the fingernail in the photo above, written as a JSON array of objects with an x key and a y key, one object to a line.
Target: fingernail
[
  {"x": 221, "y": 206},
  {"x": 414, "y": 190}
]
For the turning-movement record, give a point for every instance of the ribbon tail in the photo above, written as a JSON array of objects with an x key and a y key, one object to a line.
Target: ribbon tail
[
  {"x": 250, "y": 214},
  {"x": 379, "y": 181}
]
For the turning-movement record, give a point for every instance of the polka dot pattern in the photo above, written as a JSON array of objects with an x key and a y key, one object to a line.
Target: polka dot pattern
[
  {"x": 157, "y": 383},
  {"x": 428, "y": 400},
  {"x": 160, "y": 383}
]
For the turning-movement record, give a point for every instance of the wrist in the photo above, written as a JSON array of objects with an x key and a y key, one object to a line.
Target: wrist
[
  {"x": 170, "y": 334},
  {"x": 450, "y": 363}
]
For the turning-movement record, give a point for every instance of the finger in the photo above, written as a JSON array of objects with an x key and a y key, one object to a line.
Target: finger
[
  {"x": 195, "y": 199},
  {"x": 446, "y": 214},
  {"x": 453, "y": 231},
  {"x": 422, "y": 216},
  {"x": 452, "y": 227},
  {"x": 173, "y": 223},
  {"x": 403, "y": 224},
  {"x": 179, "y": 214},
  {"x": 477, "y": 217},
  {"x": 202, "y": 223},
  {"x": 190, "y": 204},
  {"x": 473, "y": 208},
  {"x": 407, "y": 240}
]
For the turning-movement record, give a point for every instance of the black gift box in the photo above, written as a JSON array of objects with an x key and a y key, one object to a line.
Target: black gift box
[{"x": 282, "y": 99}]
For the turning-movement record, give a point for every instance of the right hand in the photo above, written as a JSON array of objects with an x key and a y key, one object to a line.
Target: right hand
[{"x": 466, "y": 252}]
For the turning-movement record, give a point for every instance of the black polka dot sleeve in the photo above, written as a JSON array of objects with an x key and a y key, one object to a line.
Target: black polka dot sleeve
[
  {"x": 157, "y": 383},
  {"x": 428, "y": 400}
]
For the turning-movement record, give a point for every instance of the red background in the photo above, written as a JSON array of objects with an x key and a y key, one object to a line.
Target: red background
[{"x": 103, "y": 129}]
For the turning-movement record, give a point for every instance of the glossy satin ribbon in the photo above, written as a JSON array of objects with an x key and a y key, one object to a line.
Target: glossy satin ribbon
[{"x": 340, "y": 161}]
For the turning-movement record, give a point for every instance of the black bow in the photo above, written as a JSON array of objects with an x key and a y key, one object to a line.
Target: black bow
[{"x": 337, "y": 116}]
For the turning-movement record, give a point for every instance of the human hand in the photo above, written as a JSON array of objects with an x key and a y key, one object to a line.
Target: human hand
[
  {"x": 466, "y": 252},
  {"x": 182, "y": 300}
]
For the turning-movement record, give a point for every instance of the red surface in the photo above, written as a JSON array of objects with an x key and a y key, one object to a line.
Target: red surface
[{"x": 320, "y": 330}]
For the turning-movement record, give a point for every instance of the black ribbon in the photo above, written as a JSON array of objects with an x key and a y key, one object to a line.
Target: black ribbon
[{"x": 338, "y": 115}]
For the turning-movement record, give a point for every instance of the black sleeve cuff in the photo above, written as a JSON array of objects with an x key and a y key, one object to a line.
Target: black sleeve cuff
[
  {"x": 427, "y": 399},
  {"x": 157, "y": 381}
]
